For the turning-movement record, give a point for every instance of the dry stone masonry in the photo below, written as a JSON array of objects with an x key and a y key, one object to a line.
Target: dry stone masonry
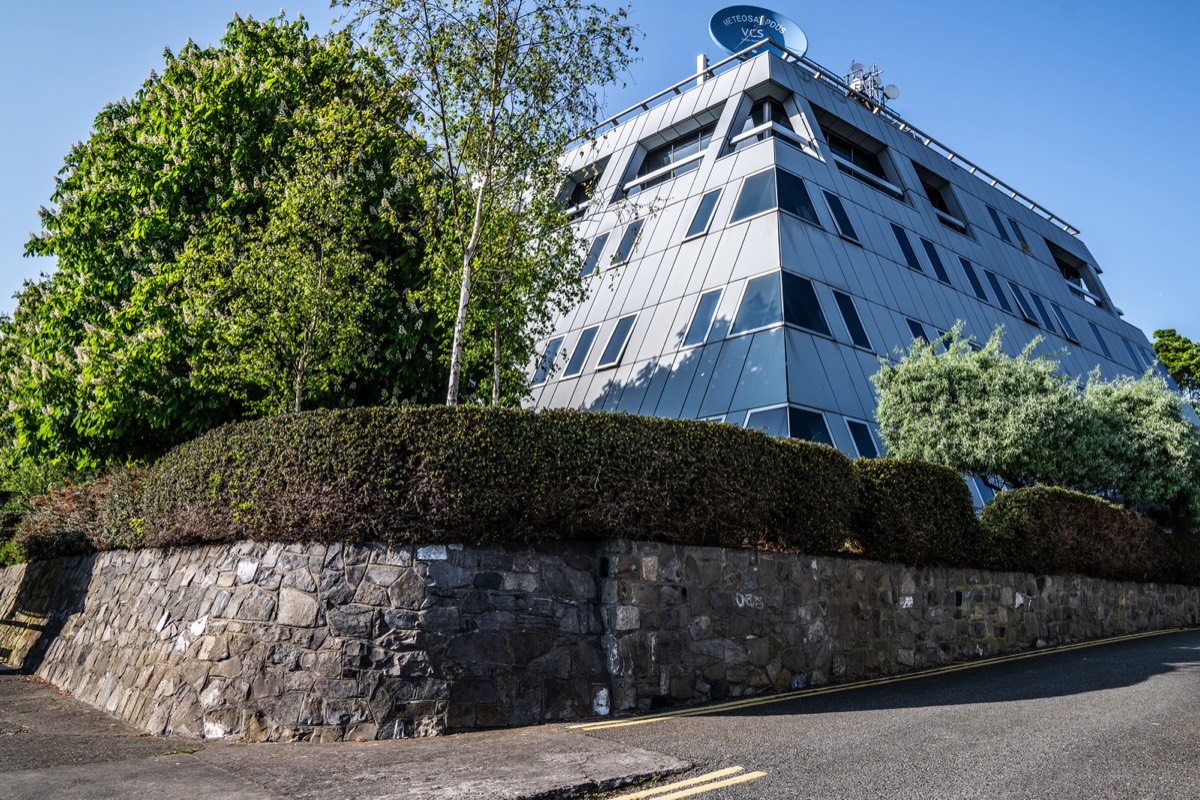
[{"x": 272, "y": 641}]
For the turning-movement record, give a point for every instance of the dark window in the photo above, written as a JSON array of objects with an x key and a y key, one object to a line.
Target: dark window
[
  {"x": 858, "y": 334},
  {"x": 704, "y": 213},
  {"x": 935, "y": 197},
  {"x": 616, "y": 342},
  {"x": 582, "y": 348},
  {"x": 757, "y": 196},
  {"x": 767, "y": 110},
  {"x": 706, "y": 308},
  {"x": 800, "y": 304},
  {"x": 855, "y": 154},
  {"x": 1042, "y": 312},
  {"x": 1068, "y": 331},
  {"x": 1100, "y": 340},
  {"x": 1017, "y": 230},
  {"x": 672, "y": 152},
  {"x": 808, "y": 425},
  {"x": 761, "y": 304},
  {"x": 973, "y": 279},
  {"x": 863, "y": 440},
  {"x": 547, "y": 363},
  {"x": 625, "y": 248},
  {"x": 1022, "y": 303},
  {"x": 774, "y": 189},
  {"x": 936, "y": 260},
  {"x": 794, "y": 199},
  {"x": 996, "y": 290},
  {"x": 986, "y": 493},
  {"x": 593, "y": 256},
  {"x": 910, "y": 255},
  {"x": 585, "y": 184},
  {"x": 1133, "y": 355},
  {"x": 917, "y": 329},
  {"x": 772, "y": 422},
  {"x": 999, "y": 225},
  {"x": 840, "y": 217}
]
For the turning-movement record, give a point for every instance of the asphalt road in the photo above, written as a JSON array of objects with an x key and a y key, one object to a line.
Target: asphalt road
[{"x": 1112, "y": 721}]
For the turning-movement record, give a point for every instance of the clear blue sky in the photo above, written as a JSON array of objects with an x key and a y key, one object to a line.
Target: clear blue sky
[{"x": 1086, "y": 106}]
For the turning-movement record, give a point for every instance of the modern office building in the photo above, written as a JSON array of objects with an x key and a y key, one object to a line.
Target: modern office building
[{"x": 764, "y": 233}]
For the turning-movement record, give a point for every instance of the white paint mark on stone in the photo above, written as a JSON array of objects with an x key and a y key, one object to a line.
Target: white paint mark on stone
[
  {"x": 1020, "y": 599},
  {"x": 246, "y": 570},
  {"x": 906, "y": 601},
  {"x": 432, "y": 552},
  {"x": 199, "y": 625},
  {"x": 600, "y": 705}
]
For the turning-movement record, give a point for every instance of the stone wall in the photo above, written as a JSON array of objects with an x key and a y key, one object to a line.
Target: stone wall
[{"x": 341, "y": 641}]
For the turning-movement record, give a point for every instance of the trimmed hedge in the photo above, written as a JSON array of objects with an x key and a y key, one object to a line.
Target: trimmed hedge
[
  {"x": 477, "y": 475},
  {"x": 915, "y": 513},
  {"x": 1048, "y": 530}
]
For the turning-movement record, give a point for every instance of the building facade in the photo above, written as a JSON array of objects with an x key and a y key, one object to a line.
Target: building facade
[{"x": 762, "y": 237}]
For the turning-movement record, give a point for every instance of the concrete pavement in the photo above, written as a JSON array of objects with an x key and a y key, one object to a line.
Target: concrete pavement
[{"x": 54, "y": 746}]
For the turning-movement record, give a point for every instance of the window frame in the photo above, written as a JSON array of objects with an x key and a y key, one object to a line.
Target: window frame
[
  {"x": 935, "y": 261},
  {"x": 616, "y": 362},
  {"x": 719, "y": 292},
  {"x": 998, "y": 291},
  {"x": 973, "y": 279},
  {"x": 906, "y": 249},
  {"x": 832, "y": 200},
  {"x": 1067, "y": 330},
  {"x": 545, "y": 366},
  {"x": 635, "y": 226},
  {"x": 598, "y": 245},
  {"x": 870, "y": 437},
  {"x": 581, "y": 356},
  {"x": 837, "y": 301},
  {"x": 1027, "y": 312},
  {"x": 712, "y": 214}
]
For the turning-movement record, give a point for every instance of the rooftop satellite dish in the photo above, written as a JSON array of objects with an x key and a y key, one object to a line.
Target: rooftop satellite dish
[
  {"x": 738, "y": 27},
  {"x": 857, "y": 67},
  {"x": 891, "y": 91}
]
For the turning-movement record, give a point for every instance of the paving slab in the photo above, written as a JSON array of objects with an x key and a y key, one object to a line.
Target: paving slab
[{"x": 54, "y": 746}]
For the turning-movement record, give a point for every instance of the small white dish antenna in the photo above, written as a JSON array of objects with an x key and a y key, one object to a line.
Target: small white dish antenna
[{"x": 891, "y": 91}]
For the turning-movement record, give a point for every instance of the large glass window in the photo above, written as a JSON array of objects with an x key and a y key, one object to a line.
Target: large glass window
[
  {"x": 973, "y": 279},
  {"x": 939, "y": 269},
  {"x": 808, "y": 425},
  {"x": 704, "y": 212},
  {"x": 761, "y": 304},
  {"x": 616, "y": 342},
  {"x": 1022, "y": 303},
  {"x": 858, "y": 334},
  {"x": 593, "y": 256},
  {"x": 771, "y": 421},
  {"x": 546, "y": 365},
  {"x": 681, "y": 151},
  {"x": 765, "y": 114},
  {"x": 863, "y": 441},
  {"x": 774, "y": 189},
  {"x": 840, "y": 217},
  {"x": 855, "y": 154},
  {"x": 801, "y": 306},
  {"x": 702, "y": 318},
  {"x": 1068, "y": 331},
  {"x": 998, "y": 291},
  {"x": 910, "y": 255},
  {"x": 582, "y": 348},
  {"x": 628, "y": 241},
  {"x": 1100, "y": 341},
  {"x": 995, "y": 215}
]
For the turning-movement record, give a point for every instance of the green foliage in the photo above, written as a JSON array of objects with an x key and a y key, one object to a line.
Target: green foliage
[
  {"x": 915, "y": 513},
  {"x": 1020, "y": 421},
  {"x": 476, "y": 475},
  {"x": 152, "y": 328},
  {"x": 1181, "y": 356},
  {"x": 1053, "y": 531},
  {"x": 501, "y": 87}
]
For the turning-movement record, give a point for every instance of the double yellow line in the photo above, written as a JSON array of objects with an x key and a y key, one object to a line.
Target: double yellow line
[
  {"x": 784, "y": 697},
  {"x": 697, "y": 785}
]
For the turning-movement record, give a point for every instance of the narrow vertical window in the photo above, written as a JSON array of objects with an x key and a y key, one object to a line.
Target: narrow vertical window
[
  {"x": 840, "y": 217},
  {"x": 1133, "y": 355},
  {"x": 593, "y": 256},
  {"x": 582, "y": 348},
  {"x": 996, "y": 290},
  {"x": 810, "y": 425},
  {"x": 973, "y": 279},
  {"x": 704, "y": 213},
  {"x": 1068, "y": 331},
  {"x": 999, "y": 225},
  {"x": 936, "y": 260},
  {"x": 616, "y": 342},
  {"x": 625, "y": 248},
  {"x": 761, "y": 304},
  {"x": 858, "y": 334},
  {"x": 801, "y": 306},
  {"x": 863, "y": 441},
  {"x": 1042, "y": 312},
  {"x": 1022, "y": 303},
  {"x": 702, "y": 318},
  {"x": 546, "y": 365},
  {"x": 1100, "y": 341},
  {"x": 794, "y": 199},
  {"x": 910, "y": 255}
]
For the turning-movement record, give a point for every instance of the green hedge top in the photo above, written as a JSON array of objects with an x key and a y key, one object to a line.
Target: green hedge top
[{"x": 476, "y": 475}]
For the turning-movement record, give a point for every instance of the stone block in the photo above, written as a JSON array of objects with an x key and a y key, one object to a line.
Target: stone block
[{"x": 297, "y": 608}]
